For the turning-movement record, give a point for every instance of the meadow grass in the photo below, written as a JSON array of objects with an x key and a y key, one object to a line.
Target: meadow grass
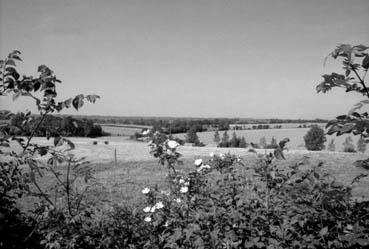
[{"x": 123, "y": 182}]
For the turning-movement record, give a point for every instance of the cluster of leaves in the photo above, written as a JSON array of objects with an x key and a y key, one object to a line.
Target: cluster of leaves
[
  {"x": 355, "y": 63},
  {"x": 23, "y": 163}
]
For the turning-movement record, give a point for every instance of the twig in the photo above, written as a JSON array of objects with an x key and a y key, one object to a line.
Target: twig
[
  {"x": 34, "y": 131},
  {"x": 361, "y": 80}
]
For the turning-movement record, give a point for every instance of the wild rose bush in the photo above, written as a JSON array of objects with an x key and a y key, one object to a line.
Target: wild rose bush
[{"x": 223, "y": 203}]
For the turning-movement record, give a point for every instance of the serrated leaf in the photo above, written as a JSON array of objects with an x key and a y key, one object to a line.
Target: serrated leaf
[
  {"x": 78, "y": 102},
  {"x": 10, "y": 62},
  {"x": 365, "y": 63}
]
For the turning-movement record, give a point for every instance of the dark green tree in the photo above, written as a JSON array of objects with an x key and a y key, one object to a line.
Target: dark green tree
[
  {"x": 191, "y": 136},
  {"x": 216, "y": 137},
  {"x": 243, "y": 143},
  {"x": 234, "y": 142},
  {"x": 315, "y": 138}
]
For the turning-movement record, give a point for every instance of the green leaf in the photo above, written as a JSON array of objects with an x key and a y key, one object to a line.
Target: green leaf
[
  {"x": 92, "y": 98},
  {"x": 365, "y": 63},
  {"x": 78, "y": 102},
  {"x": 10, "y": 62}
]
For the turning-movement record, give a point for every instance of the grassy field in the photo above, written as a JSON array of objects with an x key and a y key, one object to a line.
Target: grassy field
[{"x": 122, "y": 183}]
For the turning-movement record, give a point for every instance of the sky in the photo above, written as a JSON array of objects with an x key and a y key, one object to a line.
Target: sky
[{"x": 249, "y": 59}]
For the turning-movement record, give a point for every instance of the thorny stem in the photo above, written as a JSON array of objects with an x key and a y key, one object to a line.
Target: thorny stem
[
  {"x": 68, "y": 188},
  {"x": 34, "y": 131}
]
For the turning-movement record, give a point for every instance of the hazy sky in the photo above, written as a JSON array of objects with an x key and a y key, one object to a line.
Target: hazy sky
[{"x": 187, "y": 58}]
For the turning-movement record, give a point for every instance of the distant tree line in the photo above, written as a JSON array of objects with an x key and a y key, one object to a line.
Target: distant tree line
[{"x": 53, "y": 126}]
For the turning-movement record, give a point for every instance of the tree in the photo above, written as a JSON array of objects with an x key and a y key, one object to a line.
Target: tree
[
  {"x": 361, "y": 145},
  {"x": 262, "y": 142},
  {"x": 225, "y": 138},
  {"x": 331, "y": 145},
  {"x": 234, "y": 142},
  {"x": 216, "y": 137},
  {"x": 348, "y": 145},
  {"x": 315, "y": 138},
  {"x": 191, "y": 136},
  {"x": 273, "y": 144},
  {"x": 243, "y": 143}
]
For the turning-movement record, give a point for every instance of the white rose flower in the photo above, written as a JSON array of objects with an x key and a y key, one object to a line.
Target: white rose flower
[
  {"x": 173, "y": 144},
  {"x": 178, "y": 200},
  {"x": 211, "y": 154},
  {"x": 198, "y": 162},
  {"x": 184, "y": 189},
  {"x": 167, "y": 193},
  {"x": 147, "y": 209},
  {"x": 222, "y": 156},
  {"x": 146, "y": 132},
  {"x": 152, "y": 209},
  {"x": 147, "y": 219},
  {"x": 187, "y": 183},
  {"x": 159, "y": 205},
  {"x": 203, "y": 167},
  {"x": 145, "y": 191},
  {"x": 181, "y": 181}
]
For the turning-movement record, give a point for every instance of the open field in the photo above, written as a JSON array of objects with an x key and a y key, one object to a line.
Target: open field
[
  {"x": 129, "y": 150},
  {"x": 122, "y": 183},
  {"x": 136, "y": 168}
]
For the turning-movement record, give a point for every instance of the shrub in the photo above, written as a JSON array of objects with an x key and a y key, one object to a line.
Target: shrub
[
  {"x": 218, "y": 204},
  {"x": 94, "y": 142},
  {"x": 315, "y": 138},
  {"x": 106, "y": 142}
]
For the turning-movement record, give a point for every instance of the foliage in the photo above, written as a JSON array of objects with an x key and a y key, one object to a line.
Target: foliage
[
  {"x": 216, "y": 137},
  {"x": 21, "y": 170},
  {"x": 331, "y": 145},
  {"x": 234, "y": 142},
  {"x": 348, "y": 145},
  {"x": 355, "y": 62},
  {"x": 191, "y": 137},
  {"x": 53, "y": 126},
  {"x": 273, "y": 144},
  {"x": 315, "y": 138},
  {"x": 220, "y": 204}
]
